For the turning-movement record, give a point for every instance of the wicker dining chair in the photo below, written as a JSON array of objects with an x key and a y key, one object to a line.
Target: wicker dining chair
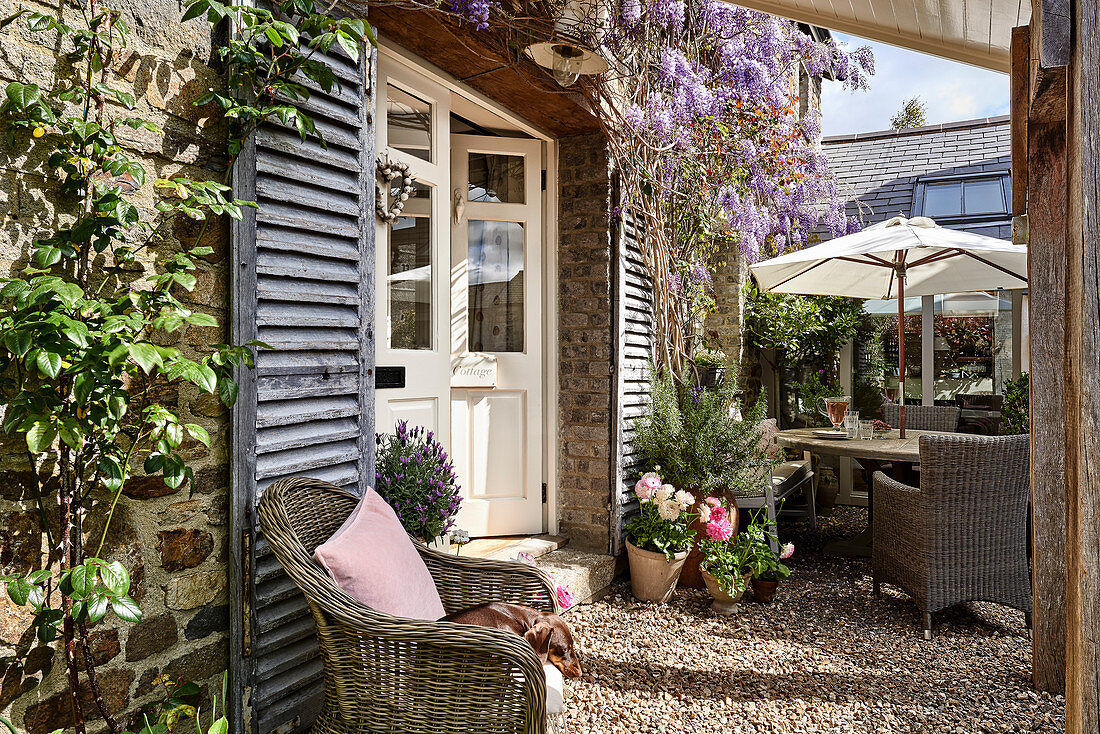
[
  {"x": 962, "y": 535},
  {"x": 944, "y": 418},
  {"x": 387, "y": 674}
]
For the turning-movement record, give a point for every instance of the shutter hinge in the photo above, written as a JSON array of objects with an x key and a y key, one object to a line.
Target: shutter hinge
[
  {"x": 544, "y": 180},
  {"x": 246, "y": 592},
  {"x": 544, "y": 493}
]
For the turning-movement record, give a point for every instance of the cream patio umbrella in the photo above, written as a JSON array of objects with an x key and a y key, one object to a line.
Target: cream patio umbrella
[{"x": 894, "y": 259}]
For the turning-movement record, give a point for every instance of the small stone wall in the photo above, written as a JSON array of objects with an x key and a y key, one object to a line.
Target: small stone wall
[
  {"x": 173, "y": 541},
  {"x": 585, "y": 261}
]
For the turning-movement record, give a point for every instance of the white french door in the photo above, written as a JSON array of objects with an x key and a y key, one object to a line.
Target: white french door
[
  {"x": 496, "y": 321},
  {"x": 413, "y": 254},
  {"x": 459, "y": 301}
]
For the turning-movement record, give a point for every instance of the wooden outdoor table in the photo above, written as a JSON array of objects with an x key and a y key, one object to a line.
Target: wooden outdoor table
[{"x": 871, "y": 455}]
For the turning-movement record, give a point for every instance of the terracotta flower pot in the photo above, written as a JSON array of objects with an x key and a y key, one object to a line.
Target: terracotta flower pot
[
  {"x": 691, "y": 578},
  {"x": 652, "y": 576},
  {"x": 723, "y": 603},
  {"x": 763, "y": 590}
]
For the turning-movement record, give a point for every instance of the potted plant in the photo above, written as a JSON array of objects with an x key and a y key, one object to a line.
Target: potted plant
[
  {"x": 766, "y": 565},
  {"x": 658, "y": 538},
  {"x": 705, "y": 442},
  {"x": 416, "y": 477},
  {"x": 725, "y": 559}
]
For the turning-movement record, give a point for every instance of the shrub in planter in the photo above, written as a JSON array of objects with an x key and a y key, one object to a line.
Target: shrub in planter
[
  {"x": 767, "y": 566},
  {"x": 1014, "y": 410},
  {"x": 416, "y": 477},
  {"x": 724, "y": 564},
  {"x": 704, "y": 441},
  {"x": 658, "y": 538}
]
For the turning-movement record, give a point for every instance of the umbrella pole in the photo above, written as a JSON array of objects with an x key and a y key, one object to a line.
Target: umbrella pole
[{"x": 900, "y": 271}]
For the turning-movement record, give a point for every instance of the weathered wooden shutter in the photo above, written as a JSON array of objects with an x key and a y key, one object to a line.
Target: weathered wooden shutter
[
  {"x": 303, "y": 283},
  {"x": 634, "y": 352}
]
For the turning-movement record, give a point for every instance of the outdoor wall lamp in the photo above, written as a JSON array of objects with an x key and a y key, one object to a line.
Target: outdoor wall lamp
[{"x": 565, "y": 55}]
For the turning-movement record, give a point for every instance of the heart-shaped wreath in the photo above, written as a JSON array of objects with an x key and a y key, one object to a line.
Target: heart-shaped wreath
[{"x": 390, "y": 172}]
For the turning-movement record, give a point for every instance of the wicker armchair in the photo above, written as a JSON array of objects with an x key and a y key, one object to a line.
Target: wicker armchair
[
  {"x": 389, "y": 674},
  {"x": 962, "y": 536},
  {"x": 943, "y": 418}
]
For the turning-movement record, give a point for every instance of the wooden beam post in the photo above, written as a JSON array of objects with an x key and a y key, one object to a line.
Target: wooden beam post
[
  {"x": 1083, "y": 375},
  {"x": 1039, "y": 190}
]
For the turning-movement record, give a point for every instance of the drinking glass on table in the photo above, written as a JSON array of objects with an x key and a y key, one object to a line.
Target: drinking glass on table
[
  {"x": 851, "y": 424},
  {"x": 867, "y": 429}
]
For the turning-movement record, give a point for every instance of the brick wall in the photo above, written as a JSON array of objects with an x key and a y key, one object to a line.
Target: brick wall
[
  {"x": 729, "y": 297},
  {"x": 585, "y": 338},
  {"x": 173, "y": 541}
]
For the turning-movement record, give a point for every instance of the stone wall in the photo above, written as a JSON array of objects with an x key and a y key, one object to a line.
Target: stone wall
[
  {"x": 585, "y": 356},
  {"x": 173, "y": 541}
]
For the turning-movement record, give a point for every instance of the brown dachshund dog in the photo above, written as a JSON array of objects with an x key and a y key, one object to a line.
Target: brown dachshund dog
[{"x": 547, "y": 633}]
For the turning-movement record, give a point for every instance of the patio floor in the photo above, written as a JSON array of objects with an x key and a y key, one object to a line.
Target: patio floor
[{"x": 824, "y": 657}]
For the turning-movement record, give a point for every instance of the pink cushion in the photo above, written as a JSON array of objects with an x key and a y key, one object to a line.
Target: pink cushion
[{"x": 372, "y": 559}]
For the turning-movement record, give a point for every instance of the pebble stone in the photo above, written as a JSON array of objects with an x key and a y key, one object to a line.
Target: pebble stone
[{"x": 824, "y": 657}]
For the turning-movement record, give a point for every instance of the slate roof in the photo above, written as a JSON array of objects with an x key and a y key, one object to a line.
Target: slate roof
[{"x": 880, "y": 169}]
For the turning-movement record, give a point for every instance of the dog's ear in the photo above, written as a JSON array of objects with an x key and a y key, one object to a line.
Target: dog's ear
[{"x": 538, "y": 637}]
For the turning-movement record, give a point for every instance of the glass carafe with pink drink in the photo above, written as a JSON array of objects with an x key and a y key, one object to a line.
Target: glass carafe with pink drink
[{"x": 836, "y": 409}]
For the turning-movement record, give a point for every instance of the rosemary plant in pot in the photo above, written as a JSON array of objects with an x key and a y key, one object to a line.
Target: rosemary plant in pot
[
  {"x": 658, "y": 538},
  {"x": 706, "y": 442}
]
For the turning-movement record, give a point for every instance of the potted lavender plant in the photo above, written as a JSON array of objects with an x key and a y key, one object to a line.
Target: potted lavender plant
[{"x": 416, "y": 477}]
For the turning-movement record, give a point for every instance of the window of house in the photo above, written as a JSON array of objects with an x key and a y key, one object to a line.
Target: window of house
[{"x": 968, "y": 197}]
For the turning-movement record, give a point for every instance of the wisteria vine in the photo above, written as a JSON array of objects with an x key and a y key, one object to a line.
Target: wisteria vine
[{"x": 715, "y": 157}]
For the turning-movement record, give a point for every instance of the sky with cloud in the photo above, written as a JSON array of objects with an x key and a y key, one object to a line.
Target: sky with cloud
[{"x": 951, "y": 91}]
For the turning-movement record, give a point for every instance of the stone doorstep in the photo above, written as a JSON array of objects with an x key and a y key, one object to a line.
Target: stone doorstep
[
  {"x": 587, "y": 575},
  {"x": 506, "y": 549}
]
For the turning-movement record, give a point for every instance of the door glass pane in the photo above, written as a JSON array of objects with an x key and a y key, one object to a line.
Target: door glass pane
[
  {"x": 496, "y": 297},
  {"x": 497, "y": 178},
  {"x": 985, "y": 197},
  {"x": 943, "y": 199},
  {"x": 410, "y": 274},
  {"x": 408, "y": 123}
]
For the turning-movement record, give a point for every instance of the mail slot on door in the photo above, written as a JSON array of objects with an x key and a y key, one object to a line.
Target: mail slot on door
[
  {"x": 474, "y": 370},
  {"x": 389, "y": 377}
]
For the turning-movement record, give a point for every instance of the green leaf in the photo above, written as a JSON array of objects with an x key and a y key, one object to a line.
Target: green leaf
[
  {"x": 115, "y": 578},
  {"x": 202, "y": 319},
  {"x": 72, "y": 434},
  {"x": 40, "y": 436},
  {"x": 146, "y": 355},
  {"x": 97, "y": 607},
  {"x": 18, "y": 342},
  {"x": 195, "y": 9},
  {"x": 49, "y": 363},
  {"x": 198, "y": 433},
  {"x": 274, "y": 37},
  {"x": 19, "y": 591},
  {"x": 227, "y": 392},
  {"x": 23, "y": 95},
  {"x": 82, "y": 579},
  {"x": 221, "y": 726},
  {"x": 196, "y": 373},
  {"x": 127, "y": 609}
]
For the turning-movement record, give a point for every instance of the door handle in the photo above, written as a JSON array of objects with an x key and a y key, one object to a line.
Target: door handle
[{"x": 459, "y": 206}]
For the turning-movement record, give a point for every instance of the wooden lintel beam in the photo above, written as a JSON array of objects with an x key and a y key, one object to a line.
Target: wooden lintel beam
[{"x": 1055, "y": 37}]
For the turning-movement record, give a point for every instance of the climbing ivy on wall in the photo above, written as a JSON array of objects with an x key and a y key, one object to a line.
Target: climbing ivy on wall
[{"x": 89, "y": 328}]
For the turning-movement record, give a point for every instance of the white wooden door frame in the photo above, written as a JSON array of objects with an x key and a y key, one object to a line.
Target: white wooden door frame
[{"x": 464, "y": 94}]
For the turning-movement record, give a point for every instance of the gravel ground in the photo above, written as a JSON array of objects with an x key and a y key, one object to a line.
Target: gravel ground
[{"x": 824, "y": 657}]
